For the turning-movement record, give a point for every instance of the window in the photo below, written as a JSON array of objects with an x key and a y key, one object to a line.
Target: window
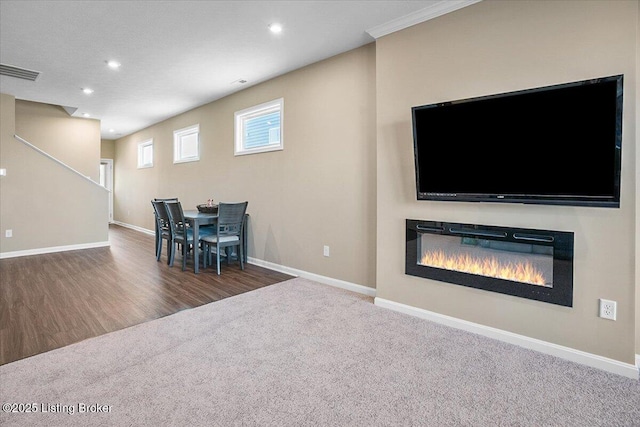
[
  {"x": 259, "y": 129},
  {"x": 145, "y": 154},
  {"x": 186, "y": 144}
]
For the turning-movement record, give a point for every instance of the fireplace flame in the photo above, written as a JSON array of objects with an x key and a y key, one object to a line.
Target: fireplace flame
[{"x": 523, "y": 272}]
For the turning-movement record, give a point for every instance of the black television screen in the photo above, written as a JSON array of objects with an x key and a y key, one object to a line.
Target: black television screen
[{"x": 557, "y": 145}]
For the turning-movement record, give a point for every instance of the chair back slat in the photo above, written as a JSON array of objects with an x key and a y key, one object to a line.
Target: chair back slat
[
  {"x": 231, "y": 218},
  {"x": 162, "y": 216},
  {"x": 176, "y": 216}
]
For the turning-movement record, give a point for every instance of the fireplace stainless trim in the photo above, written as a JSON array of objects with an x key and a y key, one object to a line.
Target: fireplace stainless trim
[
  {"x": 423, "y": 228},
  {"x": 478, "y": 233},
  {"x": 531, "y": 238}
]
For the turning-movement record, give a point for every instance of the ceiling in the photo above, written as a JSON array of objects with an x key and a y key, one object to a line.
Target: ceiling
[{"x": 177, "y": 55}]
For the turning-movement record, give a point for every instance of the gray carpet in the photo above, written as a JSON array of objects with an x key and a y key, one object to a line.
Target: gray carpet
[{"x": 300, "y": 353}]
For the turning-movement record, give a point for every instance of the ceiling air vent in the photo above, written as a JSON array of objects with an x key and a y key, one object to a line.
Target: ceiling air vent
[{"x": 19, "y": 73}]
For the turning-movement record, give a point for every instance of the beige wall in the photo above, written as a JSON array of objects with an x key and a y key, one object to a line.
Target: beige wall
[
  {"x": 74, "y": 141},
  {"x": 320, "y": 190},
  {"x": 43, "y": 203},
  {"x": 494, "y": 47},
  {"x": 107, "y": 149},
  {"x": 637, "y": 229},
  {"x": 7, "y": 130}
]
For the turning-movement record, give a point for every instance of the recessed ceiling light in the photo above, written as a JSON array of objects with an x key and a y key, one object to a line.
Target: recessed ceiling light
[
  {"x": 112, "y": 130},
  {"x": 86, "y": 115},
  {"x": 113, "y": 64},
  {"x": 87, "y": 90},
  {"x": 275, "y": 28}
]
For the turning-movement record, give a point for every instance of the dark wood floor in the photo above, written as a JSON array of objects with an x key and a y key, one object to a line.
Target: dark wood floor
[{"x": 52, "y": 300}]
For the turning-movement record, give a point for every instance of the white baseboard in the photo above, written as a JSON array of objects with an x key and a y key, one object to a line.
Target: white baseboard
[
  {"x": 40, "y": 251},
  {"x": 134, "y": 227},
  {"x": 638, "y": 361},
  {"x": 365, "y": 290},
  {"x": 287, "y": 270},
  {"x": 584, "y": 358}
]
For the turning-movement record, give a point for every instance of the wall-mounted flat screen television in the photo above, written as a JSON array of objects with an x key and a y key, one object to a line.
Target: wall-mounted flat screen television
[{"x": 558, "y": 145}]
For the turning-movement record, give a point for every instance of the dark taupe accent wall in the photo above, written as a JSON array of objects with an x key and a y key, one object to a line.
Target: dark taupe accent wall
[{"x": 494, "y": 47}]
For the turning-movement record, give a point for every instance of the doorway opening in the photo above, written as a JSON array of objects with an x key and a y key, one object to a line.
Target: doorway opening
[{"x": 106, "y": 180}]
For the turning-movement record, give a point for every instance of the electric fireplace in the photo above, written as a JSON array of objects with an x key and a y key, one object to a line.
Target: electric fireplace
[{"x": 528, "y": 263}]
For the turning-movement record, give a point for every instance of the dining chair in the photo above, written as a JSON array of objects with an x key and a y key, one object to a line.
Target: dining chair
[
  {"x": 228, "y": 234},
  {"x": 163, "y": 228},
  {"x": 158, "y": 232},
  {"x": 182, "y": 233}
]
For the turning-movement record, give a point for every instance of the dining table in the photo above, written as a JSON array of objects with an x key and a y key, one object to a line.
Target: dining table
[{"x": 195, "y": 218}]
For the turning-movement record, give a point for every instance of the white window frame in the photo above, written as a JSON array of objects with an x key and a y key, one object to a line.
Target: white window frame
[
  {"x": 178, "y": 136},
  {"x": 252, "y": 112},
  {"x": 141, "y": 148}
]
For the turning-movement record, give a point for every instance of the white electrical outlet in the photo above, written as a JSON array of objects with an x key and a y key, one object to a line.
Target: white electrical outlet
[
  {"x": 608, "y": 309},
  {"x": 8, "y": 233},
  {"x": 326, "y": 251}
]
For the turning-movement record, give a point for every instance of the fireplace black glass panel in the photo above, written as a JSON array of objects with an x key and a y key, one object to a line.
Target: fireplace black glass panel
[{"x": 534, "y": 264}]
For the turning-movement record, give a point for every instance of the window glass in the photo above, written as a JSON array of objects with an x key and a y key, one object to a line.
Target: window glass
[
  {"x": 145, "y": 154},
  {"x": 186, "y": 144},
  {"x": 259, "y": 129}
]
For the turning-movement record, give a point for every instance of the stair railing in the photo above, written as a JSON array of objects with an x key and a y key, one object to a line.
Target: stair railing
[{"x": 60, "y": 162}]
